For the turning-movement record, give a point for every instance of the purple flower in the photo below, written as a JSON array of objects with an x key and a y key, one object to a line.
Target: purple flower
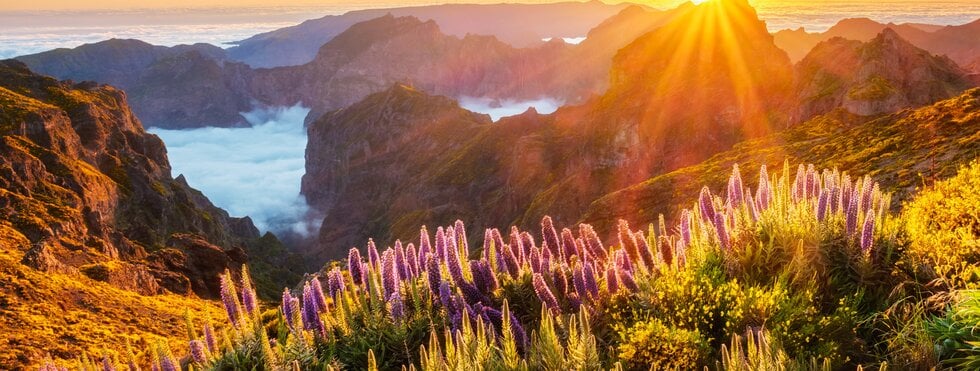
[
  {"x": 483, "y": 276},
  {"x": 107, "y": 365},
  {"x": 248, "y": 295},
  {"x": 317, "y": 290},
  {"x": 230, "y": 298},
  {"x": 434, "y": 273},
  {"x": 389, "y": 273},
  {"x": 799, "y": 184},
  {"x": 627, "y": 241},
  {"x": 753, "y": 208},
  {"x": 209, "y": 339},
  {"x": 544, "y": 293},
  {"x": 514, "y": 254},
  {"x": 397, "y": 306},
  {"x": 197, "y": 352},
  {"x": 812, "y": 183},
  {"x": 578, "y": 280},
  {"x": 401, "y": 264},
  {"x": 559, "y": 278},
  {"x": 626, "y": 278},
  {"x": 167, "y": 363},
  {"x": 373, "y": 258},
  {"x": 335, "y": 282},
  {"x": 311, "y": 316},
  {"x": 706, "y": 203},
  {"x": 623, "y": 261},
  {"x": 288, "y": 311},
  {"x": 413, "y": 261},
  {"x": 644, "y": 249},
  {"x": 722, "y": 230},
  {"x": 822, "y": 205},
  {"x": 735, "y": 187},
  {"x": 612, "y": 282},
  {"x": 455, "y": 265},
  {"x": 592, "y": 241},
  {"x": 527, "y": 241},
  {"x": 534, "y": 260},
  {"x": 852, "y": 214},
  {"x": 591, "y": 284},
  {"x": 487, "y": 244},
  {"x": 550, "y": 236},
  {"x": 666, "y": 251},
  {"x": 763, "y": 194},
  {"x": 569, "y": 247},
  {"x": 867, "y": 194},
  {"x": 354, "y": 266},
  {"x": 460, "y": 238},
  {"x": 441, "y": 243},
  {"x": 446, "y": 296},
  {"x": 867, "y": 233}
]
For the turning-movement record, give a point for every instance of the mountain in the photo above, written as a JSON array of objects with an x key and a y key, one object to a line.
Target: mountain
[
  {"x": 960, "y": 43},
  {"x": 666, "y": 107},
  {"x": 883, "y": 75},
  {"x": 171, "y": 87},
  {"x": 91, "y": 193},
  {"x": 904, "y": 151},
  {"x": 519, "y": 25}
]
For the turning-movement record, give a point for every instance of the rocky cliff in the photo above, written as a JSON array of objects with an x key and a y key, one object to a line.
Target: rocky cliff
[
  {"x": 883, "y": 75},
  {"x": 92, "y": 193}
]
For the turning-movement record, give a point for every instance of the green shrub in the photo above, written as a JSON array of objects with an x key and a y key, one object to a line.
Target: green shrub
[{"x": 651, "y": 344}]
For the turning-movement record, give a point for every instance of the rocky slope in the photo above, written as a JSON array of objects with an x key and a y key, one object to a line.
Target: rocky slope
[
  {"x": 519, "y": 25},
  {"x": 903, "y": 151},
  {"x": 92, "y": 193},
  {"x": 960, "y": 43},
  {"x": 883, "y": 75}
]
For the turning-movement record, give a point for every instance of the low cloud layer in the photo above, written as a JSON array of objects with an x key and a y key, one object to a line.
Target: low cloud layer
[
  {"x": 253, "y": 171},
  {"x": 502, "y": 108}
]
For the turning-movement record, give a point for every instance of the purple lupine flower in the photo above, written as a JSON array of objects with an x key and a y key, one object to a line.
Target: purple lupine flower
[
  {"x": 487, "y": 242},
  {"x": 534, "y": 260},
  {"x": 287, "y": 308},
  {"x": 722, "y": 230},
  {"x": 317, "y": 290},
  {"x": 578, "y": 280},
  {"x": 335, "y": 282},
  {"x": 230, "y": 298},
  {"x": 401, "y": 263},
  {"x": 582, "y": 250},
  {"x": 706, "y": 204},
  {"x": 867, "y": 195},
  {"x": 209, "y": 339},
  {"x": 389, "y": 273},
  {"x": 574, "y": 301},
  {"x": 686, "y": 226},
  {"x": 822, "y": 205},
  {"x": 559, "y": 279},
  {"x": 197, "y": 352},
  {"x": 446, "y": 295},
  {"x": 549, "y": 237},
  {"x": 763, "y": 194},
  {"x": 413, "y": 260},
  {"x": 591, "y": 283},
  {"x": 852, "y": 214},
  {"x": 461, "y": 239},
  {"x": 455, "y": 264},
  {"x": 520, "y": 336},
  {"x": 812, "y": 183},
  {"x": 527, "y": 241},
  {"x": 248, "y": 296},
  {"x": 441, "y": 243},
  {"x": 569, "y": 248},
  {"x": 628, "y": 242},
  {"x": 799, "y": 184},
  {"x": 644, "y": 249},
  {"x": 544, "y": 293},
  {"x": 107, "y": 365},
  {"x": 434, "y": 274},
  {"x": 355, "y": 266},
  {"x": 167, "y": 363},
  {"x": 734, "y": 187},
  {"x": 517, "y": 246},
  {"x": 311, "y": 317},
  {"x": 612, "y": 282},
  {"x": 483, "y": 277},
  {"x": 512, "y": 265},
  {"x": 472, "y": 293},
  {"x": 666, "y": 250},
  {"x": 626, "y": 278},
  {"x": 867, "y": 233},
  {"x": 545, "y": 260},
  {"x": 397, "y": 306},
  {"x": 623, "y": 261},
  {"x": 592, "y": 241},
  {"x": 498, "y": 245},
  {"x": 374, "y": 259}
]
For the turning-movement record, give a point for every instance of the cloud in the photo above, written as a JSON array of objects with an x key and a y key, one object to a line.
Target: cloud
[
  {"x": 254, "y": 171},
  {"x": 497, "y": 108}
]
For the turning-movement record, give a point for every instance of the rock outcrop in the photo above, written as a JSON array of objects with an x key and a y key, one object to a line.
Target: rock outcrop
[
  {"x": 883, "y": 75},
  {"x": 92, "y": 191}
]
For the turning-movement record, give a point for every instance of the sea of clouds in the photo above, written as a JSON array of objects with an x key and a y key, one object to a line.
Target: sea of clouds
[{"x": 253, "y": 171}]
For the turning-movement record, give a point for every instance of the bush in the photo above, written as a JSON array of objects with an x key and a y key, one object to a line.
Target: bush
[
  {"x": 651, "y": 344},
  {"x": 944, "y": 228}
]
